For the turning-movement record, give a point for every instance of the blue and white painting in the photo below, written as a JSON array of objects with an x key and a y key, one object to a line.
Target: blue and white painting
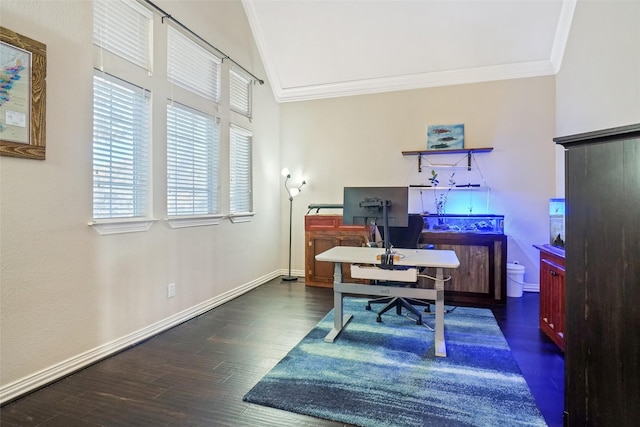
[{"x": 445, "y": 137}]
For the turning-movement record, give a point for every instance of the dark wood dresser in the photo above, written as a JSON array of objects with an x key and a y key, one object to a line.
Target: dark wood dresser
[{"x": 602, "y": 293}]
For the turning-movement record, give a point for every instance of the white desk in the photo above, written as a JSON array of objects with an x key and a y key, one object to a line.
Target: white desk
[{"x": 439, "y": 259}]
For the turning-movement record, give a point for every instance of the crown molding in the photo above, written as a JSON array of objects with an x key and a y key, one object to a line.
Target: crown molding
[
  {"x": 415, "y": 81},
  {"x": 562, "y": 33},
  {"x": 538, "y": 68}
]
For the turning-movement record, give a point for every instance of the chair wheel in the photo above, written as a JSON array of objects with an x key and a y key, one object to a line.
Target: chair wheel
[
  {"x": 427, "y": 310},
  {"x": 368, "y": 307},
  {"x": 379, "y": 319}
]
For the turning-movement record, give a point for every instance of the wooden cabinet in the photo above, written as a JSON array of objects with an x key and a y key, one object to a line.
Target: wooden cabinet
[
  {"x": 323, "y": 232},
  {"x": 481, "y": 279},
  {"x": 602, "y": 317},
  {"x": 552, "y": 285}
]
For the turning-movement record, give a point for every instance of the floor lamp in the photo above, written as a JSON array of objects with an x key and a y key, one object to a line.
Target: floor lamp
[{"x": 292, "y": 192}]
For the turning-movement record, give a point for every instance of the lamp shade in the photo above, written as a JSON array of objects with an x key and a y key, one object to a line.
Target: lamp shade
[
  {"x": 294, "y": 191},
  {"x": 285, "y": 172}
]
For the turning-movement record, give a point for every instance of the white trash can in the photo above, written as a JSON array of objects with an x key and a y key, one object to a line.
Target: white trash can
[{"x": 515, "y": 279}]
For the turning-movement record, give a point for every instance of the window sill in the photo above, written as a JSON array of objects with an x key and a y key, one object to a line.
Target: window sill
[
  {"x": 119, "y": 226},
  {"x": 194, "y": 221},
  {"x": 241, "y": 217}
]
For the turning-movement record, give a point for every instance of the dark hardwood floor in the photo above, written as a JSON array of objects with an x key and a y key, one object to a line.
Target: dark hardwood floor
[
  {"x": 540, "y": 360},
  {"x": 197, "y": 373}
]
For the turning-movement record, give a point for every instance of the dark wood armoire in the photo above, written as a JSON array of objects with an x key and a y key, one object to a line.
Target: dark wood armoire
[{"x": 602, "y": 306}]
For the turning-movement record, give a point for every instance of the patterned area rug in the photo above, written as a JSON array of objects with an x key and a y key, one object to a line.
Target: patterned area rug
[{"x": 386, "y": 374}]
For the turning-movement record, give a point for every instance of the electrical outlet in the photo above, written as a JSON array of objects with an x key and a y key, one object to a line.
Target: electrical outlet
[{"x": 171, "y": 290}]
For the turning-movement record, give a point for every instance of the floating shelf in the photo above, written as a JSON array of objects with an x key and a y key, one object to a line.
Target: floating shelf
[
  {"x": 456, "y": 151},
  {"x": 467, "y": 188},
  {"x": 467, "y": 151}
]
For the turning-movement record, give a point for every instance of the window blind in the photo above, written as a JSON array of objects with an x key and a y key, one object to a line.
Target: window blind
[
  {"x": 123, "y": 27},
  {"x": 192, "y": 67},
  {"x": 192, "y": 161},
  {"x": 121, "y": 114},
  {"x": 240, "y": 170},
  {"x": 240, "y": 92}
]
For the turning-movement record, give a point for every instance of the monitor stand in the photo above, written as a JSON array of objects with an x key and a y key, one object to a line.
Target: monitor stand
[
  {"x": 386, "y": 262},
  {"x": 386, "y": 259}
]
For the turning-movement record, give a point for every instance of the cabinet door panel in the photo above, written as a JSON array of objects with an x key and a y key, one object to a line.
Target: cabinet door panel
[
  {"x": 321, "y": 271},
  {"x": 354, "y": 240},
  {"x": 350, "y": 240},
  {"x": 474, "y": 277},
  {"x": 552, "y": 298},
  {"x": 558, "y": 304},
  {"x": 546, "y": 294},
  {"x": 480, "y": 281}
]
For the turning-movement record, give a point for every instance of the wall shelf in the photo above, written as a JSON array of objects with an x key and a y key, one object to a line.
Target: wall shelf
[
  {"x": 441, "y": 188},
  {"x": 456, "y": 151},
  {"x": 467, "y": 151}
]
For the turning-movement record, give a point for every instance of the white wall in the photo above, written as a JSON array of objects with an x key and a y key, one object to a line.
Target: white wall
[
  {"x": 66, "y": 291},
  {"x": 598, "y": 86},
  {"x": 358, "y": 140}
]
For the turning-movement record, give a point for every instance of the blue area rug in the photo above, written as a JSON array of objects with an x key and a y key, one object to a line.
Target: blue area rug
[{"x": 386, "y": 374}]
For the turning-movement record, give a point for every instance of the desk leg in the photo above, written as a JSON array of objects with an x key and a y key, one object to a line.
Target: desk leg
[
  {"x": 441, "y": 348},
  {"x": 339, "y": 320}
]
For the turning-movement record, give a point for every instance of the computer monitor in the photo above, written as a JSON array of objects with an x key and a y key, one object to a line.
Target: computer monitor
[{"x": 381, "y": 206}]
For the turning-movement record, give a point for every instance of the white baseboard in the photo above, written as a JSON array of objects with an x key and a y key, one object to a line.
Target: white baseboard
[
  {"x": 53, "y": 373},
  {"x": 531, "y": 287}
]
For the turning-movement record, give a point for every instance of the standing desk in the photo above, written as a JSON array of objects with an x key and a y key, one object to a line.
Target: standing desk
[{"x": 440, "y": 259}]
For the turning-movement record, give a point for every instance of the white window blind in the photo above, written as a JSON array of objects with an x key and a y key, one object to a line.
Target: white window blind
[
  {"x": 192, "y": 67},
  {"x": 240, "y": 170},
  {"x": 192, "y": 161},
  {"x": 123, "y": 27},
  {"x": 240, "y": 92},
  {"x": 121, "y": 114}
]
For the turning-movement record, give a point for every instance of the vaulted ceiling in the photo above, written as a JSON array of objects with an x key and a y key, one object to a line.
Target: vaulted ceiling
[{"x": 325, "y": 48}]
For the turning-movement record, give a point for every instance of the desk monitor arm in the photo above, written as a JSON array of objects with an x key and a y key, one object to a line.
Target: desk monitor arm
[{"x": 386, "y": 260}]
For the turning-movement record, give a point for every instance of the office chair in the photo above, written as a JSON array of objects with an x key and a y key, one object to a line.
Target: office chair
[{"x": 406, "y": 238}]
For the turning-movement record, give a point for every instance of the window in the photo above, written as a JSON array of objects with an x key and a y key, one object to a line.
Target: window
[
  {"x": 123, "y": 27},
  {"x": 192, "y": 162},
  {"x": 240, "y": 170},
  {"x": 240, "y": 92},
  {"x": 195, "y": 120},
  {"x": 120, "y": 148},
  {"x": 192, "y": 67}
]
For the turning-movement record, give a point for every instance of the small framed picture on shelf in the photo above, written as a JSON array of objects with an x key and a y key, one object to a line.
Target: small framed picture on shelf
[{"x": 445, "y": 137}]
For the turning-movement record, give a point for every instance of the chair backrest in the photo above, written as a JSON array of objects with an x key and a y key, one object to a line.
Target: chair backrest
[{"x": 406, "y": 237}]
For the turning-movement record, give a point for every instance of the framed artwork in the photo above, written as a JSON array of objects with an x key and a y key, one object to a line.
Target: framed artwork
[
  {"x": 445, "y": 137},
  {"x": 23, "y": 70}
]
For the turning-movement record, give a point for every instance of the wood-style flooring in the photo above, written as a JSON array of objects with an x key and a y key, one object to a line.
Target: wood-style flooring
[{"x": 197, "y": 373}]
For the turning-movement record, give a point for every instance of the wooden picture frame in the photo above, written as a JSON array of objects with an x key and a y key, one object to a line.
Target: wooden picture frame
[{"x": 23, "y": 72}]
